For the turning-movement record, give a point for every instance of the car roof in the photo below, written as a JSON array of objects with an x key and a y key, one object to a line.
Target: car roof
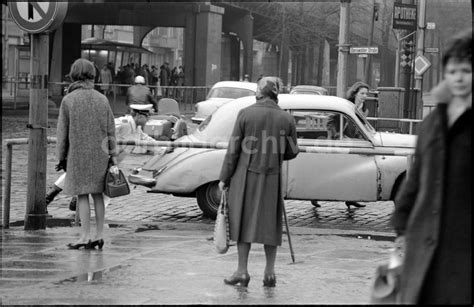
[
  {"x": 313, "y": 88},
  {"x": 307, "y": 101},
  {"x": 238, "y": 84},
  {"x": 220, "y": 126},
  {"x": 308, "y": 87}
]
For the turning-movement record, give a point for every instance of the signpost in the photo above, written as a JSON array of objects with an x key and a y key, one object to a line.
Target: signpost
[
  {"x": 37, "y": 18},
  {"x": 404, "y": 16},
  {"x": 421, "y": 65},
  {"x": 366, "y": 50},
  {"x": 431, "y": 50}
]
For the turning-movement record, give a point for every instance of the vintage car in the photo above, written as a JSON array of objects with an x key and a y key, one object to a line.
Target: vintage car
[
  {"x": 309, "y": 89},
  {"x": 221, "y": 93},
  {"x": 310, "y": 176}
]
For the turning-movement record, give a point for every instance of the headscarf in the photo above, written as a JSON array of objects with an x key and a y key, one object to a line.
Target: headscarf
[{"x": 269, "y": 87}]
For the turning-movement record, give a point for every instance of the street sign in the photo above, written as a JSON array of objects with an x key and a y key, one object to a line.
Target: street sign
[
  {"x": 369, "y": 50},
  {"x": 421, "y": 64},
  {"x": 37, "y": 16},
  {"x": 431, "y": 50},
  {"x": 404, "y": 16},
  {"x": 430, "y": 26}
]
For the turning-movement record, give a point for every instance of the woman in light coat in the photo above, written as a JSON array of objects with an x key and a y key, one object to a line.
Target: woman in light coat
[
  {"x": 85, "y": 141},
  {"x": 264, "y": 135}
]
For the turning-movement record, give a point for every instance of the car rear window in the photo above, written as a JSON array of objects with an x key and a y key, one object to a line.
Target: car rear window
[{"x": 229, "y": 92}]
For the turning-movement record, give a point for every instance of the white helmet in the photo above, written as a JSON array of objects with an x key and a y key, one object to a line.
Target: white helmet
[{"x": 139, "y": 79}]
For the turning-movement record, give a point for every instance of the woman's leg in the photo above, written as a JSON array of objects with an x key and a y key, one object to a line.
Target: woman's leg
[
  {"x": 270, "y": 255},
  {"x": 99, "y": 215},
  {"x": 243, "y": 250},
  {"x": 85, "y": 215}
]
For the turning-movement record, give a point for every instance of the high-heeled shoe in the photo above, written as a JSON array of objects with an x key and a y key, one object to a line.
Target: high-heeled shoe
[
  {"x": 353, "y": 203},
  {"x": 99, "y": 242},
  {"x": 269, "y": 280},
  {"x": 79, "y": 245},
  {"x": 242, "y": 279}
]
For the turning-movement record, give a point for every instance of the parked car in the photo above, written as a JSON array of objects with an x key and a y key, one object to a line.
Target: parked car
[
  {"x": 221, "y": 93},
  {"x": 309, "y": 89},
  {"x": 329, "y": 176}
]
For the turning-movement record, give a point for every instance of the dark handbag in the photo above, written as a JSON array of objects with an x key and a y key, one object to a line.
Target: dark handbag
[{"x": 116, "y": 185}]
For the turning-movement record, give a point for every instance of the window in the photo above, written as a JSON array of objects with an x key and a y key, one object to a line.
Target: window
[{"x": 325, "y": 125}]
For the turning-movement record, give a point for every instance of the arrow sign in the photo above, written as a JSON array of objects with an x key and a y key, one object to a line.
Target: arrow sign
[{"x": 421, "y": 64}]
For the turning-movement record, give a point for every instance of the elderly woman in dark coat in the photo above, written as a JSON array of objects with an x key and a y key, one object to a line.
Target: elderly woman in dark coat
[
  {"x": 85, "y": 140},
  {"x": 264, "y": 135},
  {"x": 433, "y": 212}
]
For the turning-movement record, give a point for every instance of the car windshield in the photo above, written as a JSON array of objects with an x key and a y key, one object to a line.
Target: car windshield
[
  {"x": 364, "y": 121},
  {"x": 229, "y": 92}
]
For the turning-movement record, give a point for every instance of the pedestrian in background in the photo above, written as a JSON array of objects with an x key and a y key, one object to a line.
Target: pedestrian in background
[
  {"x": 106, "y": 77},
  {"x": 139, "y": 93},
  {"x": 433, "y": 211},
  {"x": 154, "y": 80},
  {"x": 85, "y": 142},
  {"x": 357, "y": 94},
  {"x": 263, "y": 136},
  {"x": 164, "y": 80}
]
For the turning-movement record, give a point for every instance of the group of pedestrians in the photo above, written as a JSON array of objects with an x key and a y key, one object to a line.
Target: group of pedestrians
[{"x": 432, "y": 216}]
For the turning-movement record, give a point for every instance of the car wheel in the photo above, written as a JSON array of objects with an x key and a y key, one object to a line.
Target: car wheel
[{"x": 208, "y": 198}]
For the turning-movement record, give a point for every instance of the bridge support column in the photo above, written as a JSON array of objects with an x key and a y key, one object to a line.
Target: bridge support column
[
  {"x": 203, "y": 44},
  {"x": 66, "y": 48},
  {"x": 247, "y": 40}
]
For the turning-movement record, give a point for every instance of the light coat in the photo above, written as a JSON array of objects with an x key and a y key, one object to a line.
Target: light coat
[{"x": 85, "y": 137}]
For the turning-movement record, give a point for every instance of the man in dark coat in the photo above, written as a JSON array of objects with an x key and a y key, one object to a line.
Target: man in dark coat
[
  {"x": 140, "y": 94},
  {"x": 264, "y": 135},
  {"x": 433, "y": 211}
]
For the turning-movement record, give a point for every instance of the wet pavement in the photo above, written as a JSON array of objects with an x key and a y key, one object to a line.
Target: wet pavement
[
  {"x": 175, "y": 263},
  {"x": 158, "y": 250}
]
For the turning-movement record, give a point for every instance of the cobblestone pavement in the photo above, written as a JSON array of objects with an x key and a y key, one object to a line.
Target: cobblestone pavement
[
  {"x": 158, "y": 250},
  {"x": 151, "y": 207}
]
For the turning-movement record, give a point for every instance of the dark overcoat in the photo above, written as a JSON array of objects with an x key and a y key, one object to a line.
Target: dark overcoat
[
  {"x": 263, "y": 136},
  {"x": 433, "y": 211},
  {"x": 86, "y": 138}
]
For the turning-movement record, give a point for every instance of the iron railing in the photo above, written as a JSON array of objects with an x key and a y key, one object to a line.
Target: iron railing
[{"x": 219, "y": 145}]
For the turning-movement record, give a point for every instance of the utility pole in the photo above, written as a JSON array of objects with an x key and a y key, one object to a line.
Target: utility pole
[
  {"x": 284, "y": 54},
  {"x": 343, "y": 47},
  {"x": 368, "y": 59},
  {"x": 35, "y": 217},
  {"x": 420, "y": 48}
]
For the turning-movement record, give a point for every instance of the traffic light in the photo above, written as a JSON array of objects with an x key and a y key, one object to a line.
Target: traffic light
[{"x": 406, "y": 54}]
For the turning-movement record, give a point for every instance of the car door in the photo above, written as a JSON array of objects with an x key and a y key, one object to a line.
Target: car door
[{"x": 330, "y": 176}]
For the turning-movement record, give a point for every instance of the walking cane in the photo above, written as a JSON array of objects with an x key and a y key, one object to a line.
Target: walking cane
[{"x": 288, "y": 233}]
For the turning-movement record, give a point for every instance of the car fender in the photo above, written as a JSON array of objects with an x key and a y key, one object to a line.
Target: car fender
[
  {"x": 391, "y": 167},
  {"x": 197, "y": 169}
]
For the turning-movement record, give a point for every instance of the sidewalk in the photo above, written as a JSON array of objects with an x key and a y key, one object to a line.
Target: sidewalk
[{"x": 176, "y": 263}]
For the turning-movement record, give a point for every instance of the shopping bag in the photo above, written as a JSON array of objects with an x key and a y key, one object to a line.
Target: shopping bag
[
  {"x": 386, "y": 286},
  {"x": 116, "y": 185},
  {"x": 221, "y": 228}
]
